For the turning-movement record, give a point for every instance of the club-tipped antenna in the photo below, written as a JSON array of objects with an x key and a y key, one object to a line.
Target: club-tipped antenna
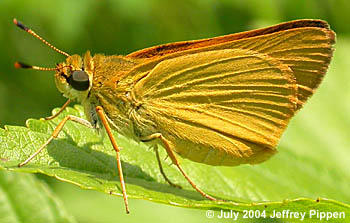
[
  {"x": 26, "y": 66},
  {"x": 31, "y": 32}
]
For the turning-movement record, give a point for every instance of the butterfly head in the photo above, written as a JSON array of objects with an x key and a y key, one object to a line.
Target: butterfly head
[{"x": 74, "y": 77}]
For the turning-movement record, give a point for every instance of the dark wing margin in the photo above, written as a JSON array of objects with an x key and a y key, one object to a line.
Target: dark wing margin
[{"x": 169, "y": 48}]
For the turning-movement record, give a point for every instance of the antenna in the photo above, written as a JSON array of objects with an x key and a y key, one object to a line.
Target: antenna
[
  {"x": 31, "y": 32},
  {"x": 26, "y": 66}
]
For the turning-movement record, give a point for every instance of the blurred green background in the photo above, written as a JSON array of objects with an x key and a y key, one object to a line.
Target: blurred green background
[{"x": 121, "y": 27}]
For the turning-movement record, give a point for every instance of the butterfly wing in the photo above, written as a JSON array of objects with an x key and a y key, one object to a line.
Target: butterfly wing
[{"x": 227, "y": 100}]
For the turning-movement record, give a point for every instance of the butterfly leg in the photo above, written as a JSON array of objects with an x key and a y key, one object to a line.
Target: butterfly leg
[
  {"x": 104, "y": 121},
  {"x": 172, "y": 156},
  {"x": 59, "y": 112},
  {"x": 55, "y": 134},
  {"x": 162, "y": 171}
]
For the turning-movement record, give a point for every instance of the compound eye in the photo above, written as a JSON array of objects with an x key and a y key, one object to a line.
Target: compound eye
[{"x": 79, "y": 80}]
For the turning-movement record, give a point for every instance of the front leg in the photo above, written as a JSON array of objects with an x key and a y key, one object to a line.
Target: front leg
[
  {"x": 55, "y": 133},
  {"x": 60, "y": 111}
]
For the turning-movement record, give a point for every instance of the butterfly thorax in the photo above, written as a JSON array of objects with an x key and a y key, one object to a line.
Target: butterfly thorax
[{"x": 112, "y": 89}]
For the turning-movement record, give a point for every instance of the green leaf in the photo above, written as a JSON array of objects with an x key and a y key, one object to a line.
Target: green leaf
[
  {"x": 313, "y": 161},
  {"x": 24, "y": 198}
]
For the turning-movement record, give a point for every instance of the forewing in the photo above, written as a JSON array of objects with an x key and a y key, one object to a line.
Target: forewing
[
  {"x": 220, "y": 107},
  {"x": 306, "y": 46}
]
